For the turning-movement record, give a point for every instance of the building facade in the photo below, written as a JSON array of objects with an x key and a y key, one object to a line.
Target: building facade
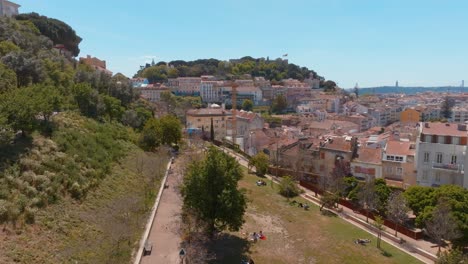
[
  {"x": 8, "y": 8},
  {"x": 441, "y": 154}
]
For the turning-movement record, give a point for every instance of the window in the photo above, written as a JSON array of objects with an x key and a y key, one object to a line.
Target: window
[
  {"x": 426, "y": 156},
  {"x": 399, "y": 159},
  {"x": 437, "y": 177},
  {"x": 399, "y": 171},
  {"x": 389, "y": 169},
  {"x": 454, "y": 159},
  {"x": 441, "y": 139},
  {"x": 424, "y": 175},
  {"x": 456, "y": 140},
  {"x": 390, "y": 157},
  {"x": 439, "y": 157}
]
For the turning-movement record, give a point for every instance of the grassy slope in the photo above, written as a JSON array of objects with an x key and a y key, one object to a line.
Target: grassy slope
[
  {"x": 102, "y": 228},
  {"x": 298, "y": 236}
]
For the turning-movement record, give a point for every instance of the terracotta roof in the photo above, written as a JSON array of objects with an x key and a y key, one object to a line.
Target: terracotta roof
[
  {"x": 208, "y": 112},
  {"x": 442, "y": 129},
  {"x": 399, "y": 148},
  {"x": 339, "y": 144},
  {"x": 369, "y": 155}
]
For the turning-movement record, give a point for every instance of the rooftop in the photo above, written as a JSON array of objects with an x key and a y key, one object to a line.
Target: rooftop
[
  {"x": 369, "y": 155},
  {"x": 443, "y": 129},
  {"x": 400, "y": 148}
]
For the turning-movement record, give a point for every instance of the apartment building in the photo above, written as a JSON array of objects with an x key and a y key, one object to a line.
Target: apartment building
[
  {"x": 459, "y": 114},
  {"x": 398, "y": 163},
  {"x": 368, "y": 165},
  {"x": 441, "y": 154},
  {"x": 201, "y": 119},
  {"x": 211, "y": 91},
  {"x": 189, "y": 86},
  {"x": 8, "y": 8},
  {"x": 152, "y": 92}
]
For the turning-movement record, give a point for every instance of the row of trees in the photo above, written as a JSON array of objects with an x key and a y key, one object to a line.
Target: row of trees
[{"x": 273, "y": 70}]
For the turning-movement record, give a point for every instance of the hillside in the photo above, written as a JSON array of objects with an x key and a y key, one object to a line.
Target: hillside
[
  {"x": 74, "y": 184},
  {"x": 273, "y": 70},
  {"x": 408, "y": 90},
  {"x": 81, "y": 195}
]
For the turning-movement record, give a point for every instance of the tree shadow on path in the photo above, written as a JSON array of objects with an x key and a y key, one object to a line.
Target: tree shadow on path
[{"x": 228, "y": 249}]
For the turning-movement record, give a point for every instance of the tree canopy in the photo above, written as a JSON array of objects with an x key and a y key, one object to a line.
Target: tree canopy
[
  {"x": 210, "y": 189},
  {"x": 273, "y": 70},
  {"x": 58, "y": 31}
]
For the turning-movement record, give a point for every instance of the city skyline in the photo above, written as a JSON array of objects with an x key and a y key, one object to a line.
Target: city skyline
[{"x": 370, "y": 43}]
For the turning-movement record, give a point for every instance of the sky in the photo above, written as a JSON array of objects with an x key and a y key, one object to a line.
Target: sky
[{"x": 369, "y": 42}]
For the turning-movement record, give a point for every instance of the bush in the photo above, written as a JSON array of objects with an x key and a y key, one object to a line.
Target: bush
[{"x": 288, "y": 188}]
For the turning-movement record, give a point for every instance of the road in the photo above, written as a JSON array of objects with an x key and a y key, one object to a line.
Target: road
[{"x": 164, "y": 233}]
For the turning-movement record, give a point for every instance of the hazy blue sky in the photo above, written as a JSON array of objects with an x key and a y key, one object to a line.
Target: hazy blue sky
[{"x": 372, "y": 42}]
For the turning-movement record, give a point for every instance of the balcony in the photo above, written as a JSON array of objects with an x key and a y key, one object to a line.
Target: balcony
[{"x": 448, "y": 167}]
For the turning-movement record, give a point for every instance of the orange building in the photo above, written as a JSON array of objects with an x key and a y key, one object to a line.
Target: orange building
[
  {"x": 97, "y": 64},
  {"x": 410, "y": 115}
]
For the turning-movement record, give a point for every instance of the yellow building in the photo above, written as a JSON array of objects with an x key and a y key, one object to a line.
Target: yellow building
[
  {"x": 410, "y": 115},
  {"x": 201, "y": 118}
]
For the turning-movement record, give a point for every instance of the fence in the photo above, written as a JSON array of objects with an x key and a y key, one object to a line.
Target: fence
[{"x": 415, "y": 234}]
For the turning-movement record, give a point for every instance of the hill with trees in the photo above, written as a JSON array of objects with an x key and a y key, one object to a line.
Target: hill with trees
[
  {"x": 273, "y": 70},
  {"x": 75, "y": 183}
]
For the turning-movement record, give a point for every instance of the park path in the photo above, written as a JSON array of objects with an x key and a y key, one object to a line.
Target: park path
[
  {"x": 164, "y": 233},
  {"x": 422, "y": 244}
]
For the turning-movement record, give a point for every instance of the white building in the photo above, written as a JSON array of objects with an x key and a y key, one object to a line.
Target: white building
[
  {"x": 8, "y": 8},
  {"x": 211, "y": 91},
  {"x": 459, "y": 114},
  {"x": 441, "y": 154}
]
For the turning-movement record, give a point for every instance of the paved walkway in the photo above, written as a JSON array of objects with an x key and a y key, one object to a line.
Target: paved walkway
[
  {"x": 422, "y": 244},
  {"x": 164, "y": 233}
]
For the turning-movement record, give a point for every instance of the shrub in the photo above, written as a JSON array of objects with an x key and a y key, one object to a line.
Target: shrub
[{"x": 288, "y": 188}]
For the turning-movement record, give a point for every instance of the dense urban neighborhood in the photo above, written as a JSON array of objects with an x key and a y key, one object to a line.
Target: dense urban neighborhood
[{"x": 245, "y": 160}]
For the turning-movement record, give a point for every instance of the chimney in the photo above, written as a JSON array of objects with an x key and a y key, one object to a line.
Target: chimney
[
  {"x": 426, "y": 125},
  {"x": 461, "y": 127}
]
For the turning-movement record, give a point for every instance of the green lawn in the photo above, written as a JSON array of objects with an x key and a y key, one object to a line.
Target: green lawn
[{"x": 298, "y": 236}]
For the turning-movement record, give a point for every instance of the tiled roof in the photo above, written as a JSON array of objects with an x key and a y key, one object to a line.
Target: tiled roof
[
  {"x": 442, "y": 129},
  {"x": 208, "y": 112},
  {"x": 339, "y": 144},
  {"x": 370, "y": 155},
  {"x": 399, "y": 148}
]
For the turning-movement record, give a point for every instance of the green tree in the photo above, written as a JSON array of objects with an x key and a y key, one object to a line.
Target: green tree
[
  {"x": 383, "y": 193},
  {"x": 113, "y": 107},
  {"x": 20, "y": 110},
  {"x": 453, "y": 256},
  {"x": 379, "y": 225},
  {"x": 288, "y": 188},
  {"x": 397, "y": 211},
  {"x": 446, "y": 107},
  {"x": 442, "y": 225},
  {"x": 171, "y": 130},
  {"x": 58, "y": 31},
  {"x": 210, "y": 189},
  {"x": 279, "y": 104},
  {"x": 7, "y": 46},
  {"x": 367, "y": 198},
  {"x": 247, "y": 105},
  {"x": 151, "y": 136},
  {"x": 7, "y": 79},
  {"x": 212, "y": 133},
  {"x": 329, "y": 86},
  {"x": 260, "y": 161}
]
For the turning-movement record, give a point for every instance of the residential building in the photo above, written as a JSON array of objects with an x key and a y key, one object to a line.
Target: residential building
[
  {"x": 459, "y": 114},
  {"x": 8, "y": 8},
  {"x": 95, "y": 63},
  {"x": 441, "y": 154},
  {"x": 212, "y": 91},
  {"x": 189, "y": 86},
  {"x": 331, "y": 150},
  {"x": 139, "y": 82},
  {"x": 247, "y": 122},
  {"x": 398, "y": 163},
  {"x": 201, "y": 119},
  {"x": 152, "y": 92},
  {"x": 410, "y": 115},
  {"x": 368, "y": 165}
]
